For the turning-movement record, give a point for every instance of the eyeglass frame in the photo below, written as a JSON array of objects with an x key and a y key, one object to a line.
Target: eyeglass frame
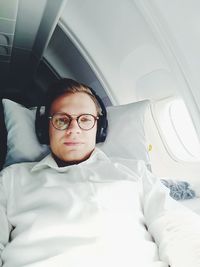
[{"x": 71, "y": 117}]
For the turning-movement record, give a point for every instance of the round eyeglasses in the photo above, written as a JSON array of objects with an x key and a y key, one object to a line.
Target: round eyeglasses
[{"x": 61, "y": 121}]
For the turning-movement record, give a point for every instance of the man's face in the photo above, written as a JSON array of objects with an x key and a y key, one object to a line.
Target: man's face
[{"x": 73, "y": 144}]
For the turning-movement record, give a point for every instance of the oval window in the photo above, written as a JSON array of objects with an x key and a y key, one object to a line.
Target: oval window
[{"x": 177, "y": 130}]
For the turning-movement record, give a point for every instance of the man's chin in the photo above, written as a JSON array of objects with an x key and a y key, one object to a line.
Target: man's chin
[
  {"x": 73, "y": 155},
  {"x": 76, "y": 156},
  {"x": 70, "y": 157},
  {"x": 66, "y": 161}
]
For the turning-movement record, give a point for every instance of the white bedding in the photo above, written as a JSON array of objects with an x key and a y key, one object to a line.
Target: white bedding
[
  {"x": 176, "y": 229},
  {"x": 100, "y": 217},
  {"x": 86, "y": 216},
  {"x": 193, "y": 204}
]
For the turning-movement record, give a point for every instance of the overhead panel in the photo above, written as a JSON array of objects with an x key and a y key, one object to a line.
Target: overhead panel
[{"x": 8, "y": 14}]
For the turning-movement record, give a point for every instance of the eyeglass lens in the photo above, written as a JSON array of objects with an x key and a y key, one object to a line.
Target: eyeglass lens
[{"x": 62, "y": 121}]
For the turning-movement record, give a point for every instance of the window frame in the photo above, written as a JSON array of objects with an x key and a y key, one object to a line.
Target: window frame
[{"x": 163, "y": 109}]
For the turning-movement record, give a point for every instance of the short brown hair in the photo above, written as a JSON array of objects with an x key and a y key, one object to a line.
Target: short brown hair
[{"x": 69, "y": 86}]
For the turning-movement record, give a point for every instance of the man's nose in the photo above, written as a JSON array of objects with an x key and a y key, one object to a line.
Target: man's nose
[{"x": 73, "y": 127}]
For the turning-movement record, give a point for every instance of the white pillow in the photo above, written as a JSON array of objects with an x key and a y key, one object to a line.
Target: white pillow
[
  {"x": 22, "y": 143},
  {"x": 126, "y": 135}
]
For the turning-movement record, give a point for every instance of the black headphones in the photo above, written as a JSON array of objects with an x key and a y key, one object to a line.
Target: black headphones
[
  {"x": 102, "y": 122},
  {"x": 42, "y": 122}
]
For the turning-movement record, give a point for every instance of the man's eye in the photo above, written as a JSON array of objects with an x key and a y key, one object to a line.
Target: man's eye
[
  {"x": 62, "y": 121},
  {"x": 85, "y": 119}
]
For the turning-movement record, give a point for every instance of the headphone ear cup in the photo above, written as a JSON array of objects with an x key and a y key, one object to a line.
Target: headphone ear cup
[
  {"x": 102, "y": 123},
  {"x": 42, "y": 127},
  {"x": 102, "y": 126}
]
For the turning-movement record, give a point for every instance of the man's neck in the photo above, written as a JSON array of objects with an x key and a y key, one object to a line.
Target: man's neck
[{"x": 62, "y": 163}]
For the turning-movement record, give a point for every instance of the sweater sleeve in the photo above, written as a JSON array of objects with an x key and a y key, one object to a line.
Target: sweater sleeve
[
  {"x": 5, "y": 227},
  {"x": 175, "y": 229}
]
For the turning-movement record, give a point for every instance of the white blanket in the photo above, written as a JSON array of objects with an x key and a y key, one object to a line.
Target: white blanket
[
  {"x": 93, "y": 215},
  {"x": 175, "y": 228}
]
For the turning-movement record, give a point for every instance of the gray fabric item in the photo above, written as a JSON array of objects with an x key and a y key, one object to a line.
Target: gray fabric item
[{"x": 179, "y": 190}]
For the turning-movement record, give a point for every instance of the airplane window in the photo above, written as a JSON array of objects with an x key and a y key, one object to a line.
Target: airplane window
[
  {"x": 184, "y": 128},
  {"x": 177, "y": 130}
]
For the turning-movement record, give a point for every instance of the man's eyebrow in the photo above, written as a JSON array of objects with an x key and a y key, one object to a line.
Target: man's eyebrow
[{"x": 73, "y": 114}]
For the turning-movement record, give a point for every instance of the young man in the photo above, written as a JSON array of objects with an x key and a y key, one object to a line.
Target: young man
[{"x": 77, "y": 207}]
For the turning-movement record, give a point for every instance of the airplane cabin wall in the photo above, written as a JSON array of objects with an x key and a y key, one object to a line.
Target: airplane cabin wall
[
  {"x": 117, "y": 43},
  {"x": 68, "y": 62}
]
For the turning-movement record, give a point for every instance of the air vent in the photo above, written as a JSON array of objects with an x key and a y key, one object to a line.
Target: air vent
[
  {"x": 8, "y": 14},
  {"x": 5, "y": 47}
]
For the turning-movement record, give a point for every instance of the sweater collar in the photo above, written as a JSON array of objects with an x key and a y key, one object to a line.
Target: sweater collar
[{"x": 49, "y": 162}]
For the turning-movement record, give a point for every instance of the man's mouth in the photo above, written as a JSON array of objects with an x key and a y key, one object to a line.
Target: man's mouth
[{"x": 73, "y": 143}]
